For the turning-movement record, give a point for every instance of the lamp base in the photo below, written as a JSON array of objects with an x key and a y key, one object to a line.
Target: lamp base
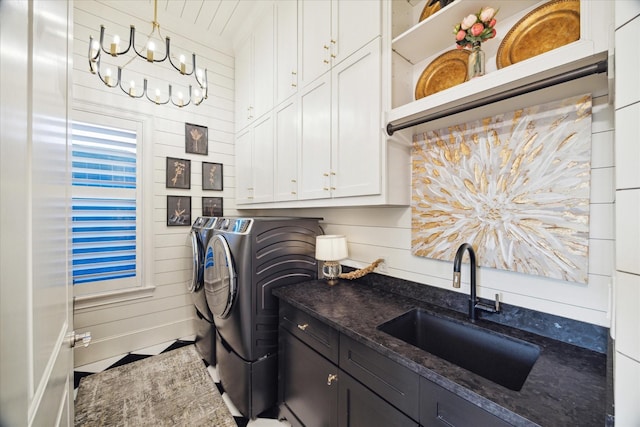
[{"x": 331, "y": 270}]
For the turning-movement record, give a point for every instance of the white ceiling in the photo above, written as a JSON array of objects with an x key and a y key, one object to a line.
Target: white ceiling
[{"x": 227, "y": 19}]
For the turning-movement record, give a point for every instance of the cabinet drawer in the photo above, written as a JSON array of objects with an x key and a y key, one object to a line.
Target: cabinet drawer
[
  {"x": 317, "y": 335},
  {"x": 440, "y": 407},
  {"x": 392, "y": 381}
]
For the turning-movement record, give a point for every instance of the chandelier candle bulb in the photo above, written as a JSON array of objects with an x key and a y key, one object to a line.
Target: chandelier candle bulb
[
  {"x": 150, "y": 48},
  {"x": 183, "y": 66},
  {"x": 132, "y": 88},
  {"x": 94, "y": 50},
  {"x": 114, "y": 45},
  {"x": 157, "y": 96},
  {"x": 107, "y": 77}
]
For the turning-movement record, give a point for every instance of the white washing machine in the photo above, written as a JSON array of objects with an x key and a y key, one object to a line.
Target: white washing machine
[
  {"x": 250, "y": 257},
  {"x": 200, "y": 234}
]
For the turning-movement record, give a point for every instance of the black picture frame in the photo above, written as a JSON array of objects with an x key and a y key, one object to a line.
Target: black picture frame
[
  {"x": 178, "y": 173},
  {"x": 196, "y": 139},
  {"x": 212, "y": 206},
  {"x": 212, "y": 177},
  {"x": 178, "y": 211}
]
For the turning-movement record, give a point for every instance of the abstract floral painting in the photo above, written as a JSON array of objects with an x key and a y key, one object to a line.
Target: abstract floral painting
[{"x": 515, "y": 186}]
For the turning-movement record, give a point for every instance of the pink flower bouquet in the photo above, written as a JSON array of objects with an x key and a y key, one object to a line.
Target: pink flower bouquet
[{"x": 476, "y": 28}]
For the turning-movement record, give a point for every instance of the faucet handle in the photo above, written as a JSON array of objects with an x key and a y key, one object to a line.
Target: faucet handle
[{"x": 456, "y": 279}]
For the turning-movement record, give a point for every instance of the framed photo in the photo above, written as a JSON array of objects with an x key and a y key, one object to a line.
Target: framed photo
[
  {"x": 178, "y": 210},
  {"x": 212, "y": 176},
  {"x": 196, "y": 139},
  {"x": 178, "y": 173},
  {"x": 212, "y": 206}
]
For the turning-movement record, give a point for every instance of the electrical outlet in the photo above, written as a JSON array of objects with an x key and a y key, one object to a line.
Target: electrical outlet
[{"x": 382, "y": 267}]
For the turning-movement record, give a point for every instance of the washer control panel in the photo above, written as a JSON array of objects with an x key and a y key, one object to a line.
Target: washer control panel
[{"x": 234, "y": 225}]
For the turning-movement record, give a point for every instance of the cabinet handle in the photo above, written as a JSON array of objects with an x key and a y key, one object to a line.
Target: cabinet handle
[
  {"x": 326, "y": 47},
  {"x": 325, "y": 188},
  {"x": 326, "y": 61},
  {"x": 293, "y": 193},
  {"x": 331, "y": 378},
  {"x": 303, "y": 327}
]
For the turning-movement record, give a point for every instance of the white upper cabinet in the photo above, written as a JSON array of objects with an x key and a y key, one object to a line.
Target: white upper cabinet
[
  {"x": 286, "y": 34},
  {"x": 286, "y": 150},
  {"x": 330, "y": 31},
  {"x": 328, "y": 146},
  {"x": 254, "y": 72},
  {"x": 315, "y": 140},
  {"x": 355, "y": 23},
  {"x": 340, "y": 129},
  {"x": 355, "y": 131},
  {"x": 254, "y": 162}
]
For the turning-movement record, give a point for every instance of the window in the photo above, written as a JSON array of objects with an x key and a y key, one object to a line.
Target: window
[{"x": 105, "y": 207}]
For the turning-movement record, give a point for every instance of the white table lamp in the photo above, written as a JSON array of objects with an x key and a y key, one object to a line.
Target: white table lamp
[{"x": 330, "y": 249}]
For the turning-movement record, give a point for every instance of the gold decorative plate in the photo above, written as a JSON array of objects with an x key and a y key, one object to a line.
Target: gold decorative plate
[
  {"x": 447, "y": 70},
  {"x": 545, "y": 28},
  {"x": 429, "y": 9}
]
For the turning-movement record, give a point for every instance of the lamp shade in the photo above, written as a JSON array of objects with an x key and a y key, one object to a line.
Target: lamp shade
[{"x": 331, "y": 247}]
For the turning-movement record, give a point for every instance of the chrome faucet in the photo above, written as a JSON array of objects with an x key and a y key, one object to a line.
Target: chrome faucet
[{"x": 474, "y": 304}]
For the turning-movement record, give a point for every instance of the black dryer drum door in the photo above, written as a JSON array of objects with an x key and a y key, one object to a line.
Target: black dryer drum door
[{"x": 220, "y": 282}]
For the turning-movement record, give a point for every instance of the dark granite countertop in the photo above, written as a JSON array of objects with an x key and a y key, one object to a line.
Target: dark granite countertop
[{"x": 566, "y": 387}]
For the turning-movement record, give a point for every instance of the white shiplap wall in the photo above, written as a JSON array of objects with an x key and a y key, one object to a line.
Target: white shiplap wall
[
  {"x": 168, "y": 312},
  {"x": 627, "y": 289}
]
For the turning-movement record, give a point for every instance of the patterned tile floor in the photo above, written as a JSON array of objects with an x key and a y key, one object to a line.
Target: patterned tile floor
[{"x": 264, "y": 420}]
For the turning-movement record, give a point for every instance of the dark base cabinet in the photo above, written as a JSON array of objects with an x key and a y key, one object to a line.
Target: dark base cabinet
[
  {"x": 328, "y": 379},
  {"x": 360, "y": 407},
  {"x": 303, "y": 384}
]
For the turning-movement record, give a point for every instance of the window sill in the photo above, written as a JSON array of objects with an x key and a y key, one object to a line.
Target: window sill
[{"x": 85, "y": 302}]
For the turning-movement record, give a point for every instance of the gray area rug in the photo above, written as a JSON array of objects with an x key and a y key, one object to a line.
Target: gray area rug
[{"x": 171, "y": 389}]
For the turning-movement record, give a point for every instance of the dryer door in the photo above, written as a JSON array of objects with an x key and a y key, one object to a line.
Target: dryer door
[
  {"x": 220, "y": 282},
  {"x": 198, "y": 257}
]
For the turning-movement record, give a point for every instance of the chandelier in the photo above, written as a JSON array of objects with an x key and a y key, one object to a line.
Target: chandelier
[{"x": 149, "y": 54}]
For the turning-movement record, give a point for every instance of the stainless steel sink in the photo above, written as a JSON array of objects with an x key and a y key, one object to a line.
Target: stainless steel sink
[{"x": 504, "y": 360}]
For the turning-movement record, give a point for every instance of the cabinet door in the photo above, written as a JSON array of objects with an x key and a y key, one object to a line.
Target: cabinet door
[
  {"x": 315, "y": 140},
  {"x": 244, "y": 83},
  {"x": 286, "y": 36},
  {"x": 356, "y": 124},
  {"x": 306, "y": 384},
  {"x": 441, "y": 408},
  {"x": 263, "y": 63},
  {"x": 315, "y": 37},
  {"x": 286, "y": 145},
  {"x": 244, "y": 168},
  {"x": 262, "y": 160},
  {"x": 360, "y": 407},
  {"x": 355, "y": 23}
]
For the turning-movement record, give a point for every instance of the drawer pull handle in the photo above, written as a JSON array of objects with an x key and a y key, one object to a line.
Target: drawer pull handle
[
  {"x": 303, "y": 327},
  {"x": 331, "y": 378}
]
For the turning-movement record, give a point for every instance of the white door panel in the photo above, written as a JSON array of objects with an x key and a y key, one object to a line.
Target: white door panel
[{"x": 36, "y": 296}]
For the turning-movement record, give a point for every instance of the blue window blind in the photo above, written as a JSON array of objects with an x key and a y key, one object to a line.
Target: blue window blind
[{"x": 104, "y": 203}]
